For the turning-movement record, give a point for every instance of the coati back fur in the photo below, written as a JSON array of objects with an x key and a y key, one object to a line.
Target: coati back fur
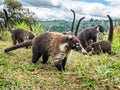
[
  {"x": 52, "y": 44},
  {"x": 102, "y": 46},
  {"x": 18, "y": 35}
]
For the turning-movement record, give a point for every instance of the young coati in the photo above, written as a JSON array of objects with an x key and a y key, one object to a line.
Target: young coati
[
  {"x": 18, "y": 35},
  {"x": 102, "y": 46},
  {"x": 53, "y": 44}
]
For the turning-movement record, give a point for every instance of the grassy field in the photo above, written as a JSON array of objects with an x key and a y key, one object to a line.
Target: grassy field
[{"x": 83, "y": 72}]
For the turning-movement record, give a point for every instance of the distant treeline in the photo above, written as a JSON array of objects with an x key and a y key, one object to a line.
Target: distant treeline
[{"x": 63, "y": 26}]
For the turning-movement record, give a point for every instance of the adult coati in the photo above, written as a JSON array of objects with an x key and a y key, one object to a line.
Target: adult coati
[
  {"x": 102, "y": 46},
  {"x": 53, "y": 44},
  {"x": 89, "y": 34},
  {"x": 18, "y": 35}
]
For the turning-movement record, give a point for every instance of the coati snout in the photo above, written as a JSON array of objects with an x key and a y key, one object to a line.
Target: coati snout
[{"x": 75, "y": 44}]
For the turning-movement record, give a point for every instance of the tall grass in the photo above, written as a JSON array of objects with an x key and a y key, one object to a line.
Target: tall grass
[
  {"x": 83, "y": 72},
  {"x": 116, "y": 41},
  {"x": 36, "y": 27}
]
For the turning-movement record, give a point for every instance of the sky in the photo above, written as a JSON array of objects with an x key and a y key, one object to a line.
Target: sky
[{"x": 61, "y": 9}]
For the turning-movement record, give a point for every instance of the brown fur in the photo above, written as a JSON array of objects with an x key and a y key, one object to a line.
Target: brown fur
[
  {"x": 89, "y": 34},
  {"x": 52, "y": 44},
  {"x": 86, "y": 35},
  {"x": 102, "y": 46},
  {"x": 18, "y": 35},
  {"x": 20, "y": 45}
]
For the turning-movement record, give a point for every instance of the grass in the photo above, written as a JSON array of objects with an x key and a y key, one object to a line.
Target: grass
[{"x": 83, "y": 72}]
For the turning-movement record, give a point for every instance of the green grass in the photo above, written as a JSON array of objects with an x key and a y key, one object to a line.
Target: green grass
[{"x": 83, "y": 72}]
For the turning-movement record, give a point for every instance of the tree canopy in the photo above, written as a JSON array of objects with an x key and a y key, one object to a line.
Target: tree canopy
[{"x": 17, "y": 13}]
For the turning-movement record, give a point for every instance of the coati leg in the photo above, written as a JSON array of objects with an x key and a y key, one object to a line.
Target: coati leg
[
  {"x": 109, "y": 51},
  {"x": 94, "y": 39},
  {"x": 64, "y": 63},
  {"x": 83, "y": 43},
  {"x": 58, "y": 64},
  {"x": 13, "y": 40},
  {"x": 35, "y": 55},
  {"x": 45, "y": 59}
]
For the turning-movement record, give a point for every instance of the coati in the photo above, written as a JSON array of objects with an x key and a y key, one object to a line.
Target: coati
[
  {"x": 102, "y": 46},
  {"x": 53, "y": 44},
  {"x": 18, "y": 35},
  {"x": 89, "y": 34}
]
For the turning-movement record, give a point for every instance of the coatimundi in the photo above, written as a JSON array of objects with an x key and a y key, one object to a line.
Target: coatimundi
[
  {"x": 18, "y": 35},
  {"x": 89, "y": 34},
  {"x": 53, "y": 44},
  {"x": 102, "y": 46}
]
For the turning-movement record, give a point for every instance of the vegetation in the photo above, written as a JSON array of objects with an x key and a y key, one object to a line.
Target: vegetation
[
  {"x": 63, "y": 26},
  {"x": 36, "y": 28},
  {"x": 84, "y": 72},
  {"x": 17, "y": 13}
]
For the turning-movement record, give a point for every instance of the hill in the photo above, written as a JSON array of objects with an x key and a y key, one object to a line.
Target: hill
[{"x": 63, "y": 26}]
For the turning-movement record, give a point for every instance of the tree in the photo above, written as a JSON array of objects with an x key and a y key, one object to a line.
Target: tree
[{"x": 18, "y": 13}]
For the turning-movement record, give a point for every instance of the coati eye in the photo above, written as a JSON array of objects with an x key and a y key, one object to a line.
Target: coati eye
[
  {"x": 76, "y": 45},
  {"x": 73, "y": 45}
]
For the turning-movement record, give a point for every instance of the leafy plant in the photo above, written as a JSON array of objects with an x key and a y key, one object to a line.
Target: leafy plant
[{"x": 37, "y": 29}]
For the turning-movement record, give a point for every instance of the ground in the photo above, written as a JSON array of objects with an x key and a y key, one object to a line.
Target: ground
[{"x": 83, "y": 72}]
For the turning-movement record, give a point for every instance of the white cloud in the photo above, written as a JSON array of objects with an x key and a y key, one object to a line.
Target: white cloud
[
  {"x": 51, "y": 14},
  {"x": 93, "y": 10},
  {"x": 114, "y": 2},
  {"x": 60, "y": 9}
]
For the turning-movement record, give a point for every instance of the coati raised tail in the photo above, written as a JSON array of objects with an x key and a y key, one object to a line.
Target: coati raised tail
[
  {"x": 53, "y": 44},
  {"x": 89, "y": 34},
  {"x": 74, "y": 32},
  {"x": 102, "y": 46},
  {"x": 72, "y": 26},
  {"x": 77, "y": 27},
  {"x": 18, "y": 35}
]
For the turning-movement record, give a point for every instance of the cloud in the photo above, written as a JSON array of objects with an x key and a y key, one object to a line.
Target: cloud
[
  {"x": 114, "y": 2},
  {"x": 40, "y": 3},
  {"x": 60, "y": 9},
  {"x": 57, "y": 9}
]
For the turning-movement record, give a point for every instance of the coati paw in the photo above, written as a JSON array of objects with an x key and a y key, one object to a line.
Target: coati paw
[{"x": 6, "y": 50}]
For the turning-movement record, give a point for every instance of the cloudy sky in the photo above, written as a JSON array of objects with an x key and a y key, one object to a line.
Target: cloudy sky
[{"x": 60, "y": 9}]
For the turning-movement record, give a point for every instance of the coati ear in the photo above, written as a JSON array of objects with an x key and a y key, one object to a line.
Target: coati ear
[
  {"x": 69, "y": 38},
  {"x": 98, "y": 29}
]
